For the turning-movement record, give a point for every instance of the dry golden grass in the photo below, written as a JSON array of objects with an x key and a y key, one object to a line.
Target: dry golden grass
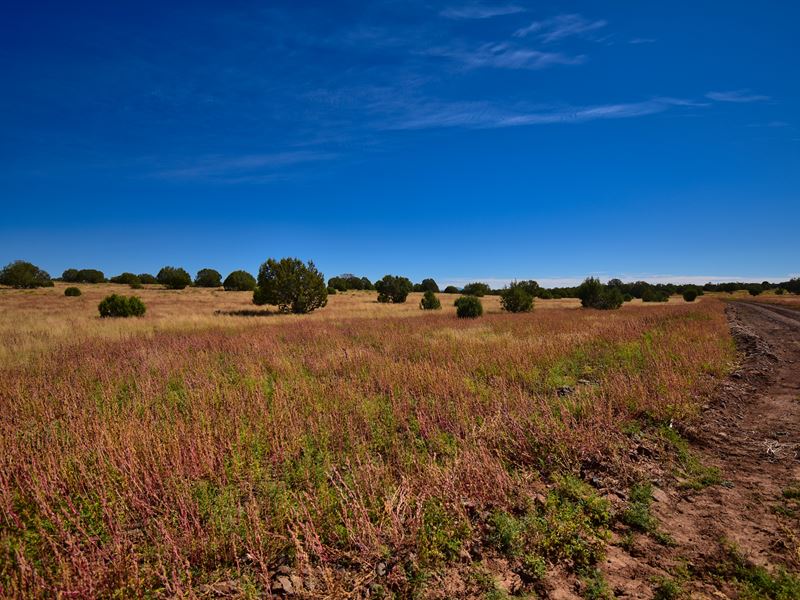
[{"x": 34, "y": 321}]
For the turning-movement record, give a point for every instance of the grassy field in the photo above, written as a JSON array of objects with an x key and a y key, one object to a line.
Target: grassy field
[{"x": 373, "y": 448}]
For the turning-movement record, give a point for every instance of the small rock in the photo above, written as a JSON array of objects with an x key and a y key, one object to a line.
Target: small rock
[
  {"x": 660, "y": 495},
  {"x": 565, "y": 390},
  {"x": 380, "y": 569}
]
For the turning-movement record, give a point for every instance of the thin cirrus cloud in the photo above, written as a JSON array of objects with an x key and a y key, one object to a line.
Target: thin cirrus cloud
[
  {"x": 482, "y": 115},
  {"x": 740, "y": 96},
  {"x": 560, "y": 27},
  {"x": 480, "y": 11},
  {"x": 503, "y": 55},
  {"x": 245, "y": 168}
]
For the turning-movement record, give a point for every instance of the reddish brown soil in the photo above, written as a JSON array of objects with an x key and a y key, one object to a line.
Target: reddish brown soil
[{"x": 751, "y": 431}]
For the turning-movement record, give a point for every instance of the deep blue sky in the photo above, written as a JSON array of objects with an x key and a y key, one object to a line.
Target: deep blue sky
[{"x": 459, "y": 140}]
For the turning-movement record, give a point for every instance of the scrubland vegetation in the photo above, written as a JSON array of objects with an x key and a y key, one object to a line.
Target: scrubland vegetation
[{"x": 174, "y": 453}]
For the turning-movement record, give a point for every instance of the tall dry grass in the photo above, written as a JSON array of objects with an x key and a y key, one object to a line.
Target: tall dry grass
[{"x": 147, "y": 460}]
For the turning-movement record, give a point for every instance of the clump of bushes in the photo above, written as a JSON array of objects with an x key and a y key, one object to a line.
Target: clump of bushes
[
  {"x": 83, "y": 276},
  {"x": 121, "y": 306},
  {"x": 348, "y": 281},
  {"x": 652, "y": 295},
  {"x": 126, "y": 278},
  {"x": 208, "y": 278},
  {"x": 174, "y": 278},
  {"x": 24, "y": 275},
  {"x": 239, "y": 281},
  {"x": 291, "y": 286},
  {"x": 331, "y": 291},
  {"x": 754, "y": 290},
  {"x": 468, "y": 307},
  {"x": 690, "y": 294},
  {"x": 451, "y": 289},
  {"x": 476, "y": 288},
  {"x": 516, "y": 298},
  {"x": 427, "y": 285},
  {"x": 430, "y": 301},
  {"x": 627, "y": 298},
  {"x": 72, "y": 291},
  {"x": 147, "y": 278},
  {"x": 594, "y": 294},
  {"x": 393, "y": 288}
]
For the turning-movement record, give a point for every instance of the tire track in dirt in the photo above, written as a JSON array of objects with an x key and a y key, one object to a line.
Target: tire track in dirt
[{"x": 751, "y": 432}]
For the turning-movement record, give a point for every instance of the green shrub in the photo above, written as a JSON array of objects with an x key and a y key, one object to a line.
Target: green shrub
[
  {"x": 468, "y": 307},
  {"x": 594, "y": 294},
  {"x": 780, "y": 291},
  {"x": 393, "y": 288},
  {"x": 451, "y": 289},
  {"x": 126, "y": 278},
  {"x": 348, "y": 281},
  {"x": 516, "y": 298},
  {"x": 174, "y": 278},
  {"x": 291, "y": 286},
  {"x": 430, "y": 301},
  {"x": 147, "y": 279},
  {"x": 72, "y": 291},
  {"x": 121, "y": 306},
  {"x": 476, "y": 288},
  {"x": 689, "y": 294},
  {"x": 754, "y": 290},
  {"x": 136, "y": 285},
  {"x": 83, "y": 276},
  {"x": 239, "y": 281},
  {"x": 654, "y": 295},
  {"x": 627, "y": 298},
  {"x": 331, "y": 291},
  {"x": 21, "y": 274},
  {"x": 429, "y": 285},
  {"x": 208, "y": 278}
]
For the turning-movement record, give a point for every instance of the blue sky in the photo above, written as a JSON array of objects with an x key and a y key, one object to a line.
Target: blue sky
[{"x": 458, "y": 140}]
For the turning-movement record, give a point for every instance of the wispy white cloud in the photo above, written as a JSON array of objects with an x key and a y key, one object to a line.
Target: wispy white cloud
[
  {"x": 483, "y": 115},
  {"x": 741, "y": 96},
  {"x": 506, "y": 56},
  {"x": 641, "y": 41},
  {"x": 480, "y": 11},
  {"x": 560, "y": 27},
  {"x": 245, "y": 168}
]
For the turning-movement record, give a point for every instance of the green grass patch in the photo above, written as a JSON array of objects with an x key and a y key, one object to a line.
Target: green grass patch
[
  {"x": 694, "y": 474},
  {"x": 757, "y": 583}
]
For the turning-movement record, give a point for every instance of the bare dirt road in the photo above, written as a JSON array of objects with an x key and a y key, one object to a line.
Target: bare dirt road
[{"x": 722, "y": 533}]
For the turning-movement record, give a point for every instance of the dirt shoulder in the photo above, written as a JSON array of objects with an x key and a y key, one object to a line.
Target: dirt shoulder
[{"x": 745, "y": 525}]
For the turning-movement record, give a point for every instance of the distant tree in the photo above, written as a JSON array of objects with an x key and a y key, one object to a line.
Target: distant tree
[
  {"x": 121, "y": 306},
  {"x": 291, "y": 286},
  {"x": 21, "y": 274},
  {"x": 594, "y": 294},
  {"x": 147, "y": 278},
  {"x": 393, "y": 288},
  {"x": 766, "y": 285},
  {"x": 70, "y": 276},
  {"x": 429, "y": 301},
  {"x": 689, "y": 294},
  {"x": 451, "y": 289},
  {"x": 91, "y": 276},
  {"x": 332, "y": 291},
  {"x": 627, "y": 297},
  {"x": 429, "y": 285},
  {"x": 208, "y": 278},
  {"x": 515, "y": 298},
  {"x": 654, "y": 295},
  {"x": 468, "y": 307},
  {"x": 72, "y": 291},
  {"x": 476, "y": 288},
  {"x": 780, "y": 291},
  {"x": 754, "y": 290},
  {"x": 239, "y": 281},
  {"x": 617, "y": 283},
  {"x": 174, "y": 278},
  {"x": 366, "y": 284},
  {"x": 126, "y": 278}
]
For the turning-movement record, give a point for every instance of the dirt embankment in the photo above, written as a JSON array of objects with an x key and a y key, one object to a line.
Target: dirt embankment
[{"x": 722, "y": 533}]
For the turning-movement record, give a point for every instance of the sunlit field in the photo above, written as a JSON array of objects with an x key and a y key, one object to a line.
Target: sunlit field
[{"x": 364, "y": 447}]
